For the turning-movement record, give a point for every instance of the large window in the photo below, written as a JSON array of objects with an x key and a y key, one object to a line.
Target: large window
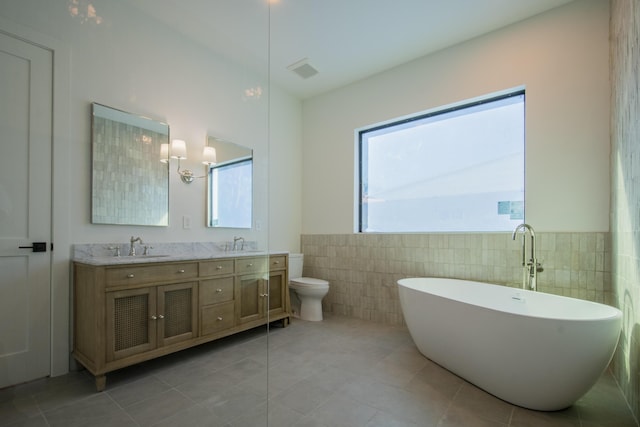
[{"x": 456, "y": 169}]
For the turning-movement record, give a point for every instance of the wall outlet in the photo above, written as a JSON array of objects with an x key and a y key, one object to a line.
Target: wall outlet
[
  {"x": 258, "y": 225},
  {"x": 186, "y": 222}
]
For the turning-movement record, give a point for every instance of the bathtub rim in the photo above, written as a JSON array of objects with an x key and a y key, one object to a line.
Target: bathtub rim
[{"x": 613, "y": 314}]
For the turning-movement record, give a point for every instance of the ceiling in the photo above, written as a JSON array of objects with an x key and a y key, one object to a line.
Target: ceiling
[{"x": 345, "y": 40}]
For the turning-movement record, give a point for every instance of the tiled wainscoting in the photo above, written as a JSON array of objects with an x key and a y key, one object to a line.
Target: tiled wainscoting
[{"x": 363, "y": 268}]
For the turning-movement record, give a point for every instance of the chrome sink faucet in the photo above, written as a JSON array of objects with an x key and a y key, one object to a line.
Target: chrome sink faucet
[
  {"x": 532, "y": 267},
  {"x": 132, "y": 247},
  {"x": 235, "y": 243}
]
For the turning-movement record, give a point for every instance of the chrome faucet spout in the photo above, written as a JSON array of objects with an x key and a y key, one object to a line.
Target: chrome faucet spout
[
  {"x": 532, "y": 233},
  {"x": 132, "y": 247},
  {"x": 530, "y": 267},
  {"x": 235, "y": 243}
]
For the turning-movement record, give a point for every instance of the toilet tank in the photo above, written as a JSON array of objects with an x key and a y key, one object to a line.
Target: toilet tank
[{"x": 295, "y": 265}]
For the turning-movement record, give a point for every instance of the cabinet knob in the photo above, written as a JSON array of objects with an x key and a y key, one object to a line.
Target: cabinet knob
[
  {"x": 219, "y": 267},
  {"x": 276, "y": 262},
  {"x": 130, "y": 276},
  {"x": 250, "y": 265},
  {"x": 153, "y": 317},
  {"x": 181, "y": 270},
  {"x": 219, "y": 318},
  {"x": 160, "y": 316},
  {"x": 218, "y": 290},
  {"x": 264, "y": 295}
]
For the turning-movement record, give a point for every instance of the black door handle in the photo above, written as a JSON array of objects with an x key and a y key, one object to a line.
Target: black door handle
[{"x": 36, "y": 246}]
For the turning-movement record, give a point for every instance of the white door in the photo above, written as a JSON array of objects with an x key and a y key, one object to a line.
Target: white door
[{"x": 25, "y": 210}]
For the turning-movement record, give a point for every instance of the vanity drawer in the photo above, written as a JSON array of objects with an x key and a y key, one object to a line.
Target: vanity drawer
[
  {"x": 215, "y": 318},
  {"x": 251, "y": 265},
  {"x": 216, "y": 267},
  {"x": 277, "y": 262},
  {"x": 214, "y": 291},
  {"x": 134, "y": 275}
]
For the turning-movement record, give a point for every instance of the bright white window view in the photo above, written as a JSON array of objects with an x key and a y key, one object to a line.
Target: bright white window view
[
  {"x": 457, "y": 169},
  {"x": 231, "y": 192}
]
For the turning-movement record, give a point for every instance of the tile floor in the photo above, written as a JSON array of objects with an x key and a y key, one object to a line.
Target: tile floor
[{"x": 339, "y": 372}]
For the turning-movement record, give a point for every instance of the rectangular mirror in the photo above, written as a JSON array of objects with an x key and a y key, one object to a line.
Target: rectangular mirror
[
  {"x": 130, "y": 185},
  {"x": 230, "y": 186}
]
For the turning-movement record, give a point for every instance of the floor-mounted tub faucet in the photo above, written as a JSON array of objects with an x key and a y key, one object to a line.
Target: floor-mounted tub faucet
[{"x": 531, "y": 268}]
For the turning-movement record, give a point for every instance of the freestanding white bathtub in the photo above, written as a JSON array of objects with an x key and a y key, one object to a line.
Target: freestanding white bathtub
[{"x": 532, "y": 349}]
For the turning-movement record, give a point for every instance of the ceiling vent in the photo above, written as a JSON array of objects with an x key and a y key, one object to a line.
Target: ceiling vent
[{"x": 303, "y": 68}]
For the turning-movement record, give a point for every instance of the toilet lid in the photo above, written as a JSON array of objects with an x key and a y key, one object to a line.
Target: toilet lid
[{"x": 309, "y": 281}]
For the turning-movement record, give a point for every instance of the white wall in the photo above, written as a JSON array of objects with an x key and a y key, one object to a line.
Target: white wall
[
  {"x": 562, "y": 59},
  {"x": 137, "y": 64},
  {"x": 134, "y": 63},
  {"x": 285, "y": 170}
]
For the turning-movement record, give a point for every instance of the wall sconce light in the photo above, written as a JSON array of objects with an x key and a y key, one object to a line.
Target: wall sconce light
[{"x": 179, "y": 151}]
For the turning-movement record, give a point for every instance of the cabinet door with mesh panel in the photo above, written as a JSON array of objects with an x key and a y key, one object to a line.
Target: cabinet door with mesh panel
[
  {"x": 177, "y": 315},
  {"x": 131, "y": 328}
]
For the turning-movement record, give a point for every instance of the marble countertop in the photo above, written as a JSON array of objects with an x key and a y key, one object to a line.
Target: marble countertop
[{"x": 103, "y": 255}]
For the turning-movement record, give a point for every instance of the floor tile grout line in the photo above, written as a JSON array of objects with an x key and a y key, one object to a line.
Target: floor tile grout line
[
  {"x": 122, "y": 408},
  {"x": 194, "y": 403},
  {"x": 453, "y": 398},
  {"x": 513, "y": 411},
  {"x": 61, "y": 405},
  {"x": 624, "y": 396}
]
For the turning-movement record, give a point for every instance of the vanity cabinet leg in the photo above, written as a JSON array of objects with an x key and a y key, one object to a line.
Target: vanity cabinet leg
[{"x": 101, "y": 382}]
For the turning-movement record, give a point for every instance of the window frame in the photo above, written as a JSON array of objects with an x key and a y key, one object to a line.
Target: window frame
[{"x": 451, "y": 108}]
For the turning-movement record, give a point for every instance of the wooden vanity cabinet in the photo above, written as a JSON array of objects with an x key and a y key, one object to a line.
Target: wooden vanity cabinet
[
  {"x": 278, "y": 288},
  {"x": 126, "y": 314},
  {"x": 251, "y": 299},
  {"x": 251, "y": 294},
  {"x": 216, "y": 297},
  {"x": 140, "y": 320},
  {"x": 260, "y": 296}
]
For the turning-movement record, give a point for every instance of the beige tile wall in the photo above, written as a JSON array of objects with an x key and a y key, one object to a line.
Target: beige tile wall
[{"x": 363, "y": 268}]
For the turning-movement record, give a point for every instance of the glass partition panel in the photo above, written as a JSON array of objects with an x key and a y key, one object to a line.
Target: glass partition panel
[{"x": 202, "y": 65}]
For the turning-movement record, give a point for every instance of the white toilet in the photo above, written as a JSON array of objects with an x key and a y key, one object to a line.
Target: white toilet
[{"x": 306, "y": 292}]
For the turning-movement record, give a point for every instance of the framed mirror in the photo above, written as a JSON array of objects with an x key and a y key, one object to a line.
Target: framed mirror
[
  {"x": 230, "y": 186},
  {"x": 129, "y": 184}
]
